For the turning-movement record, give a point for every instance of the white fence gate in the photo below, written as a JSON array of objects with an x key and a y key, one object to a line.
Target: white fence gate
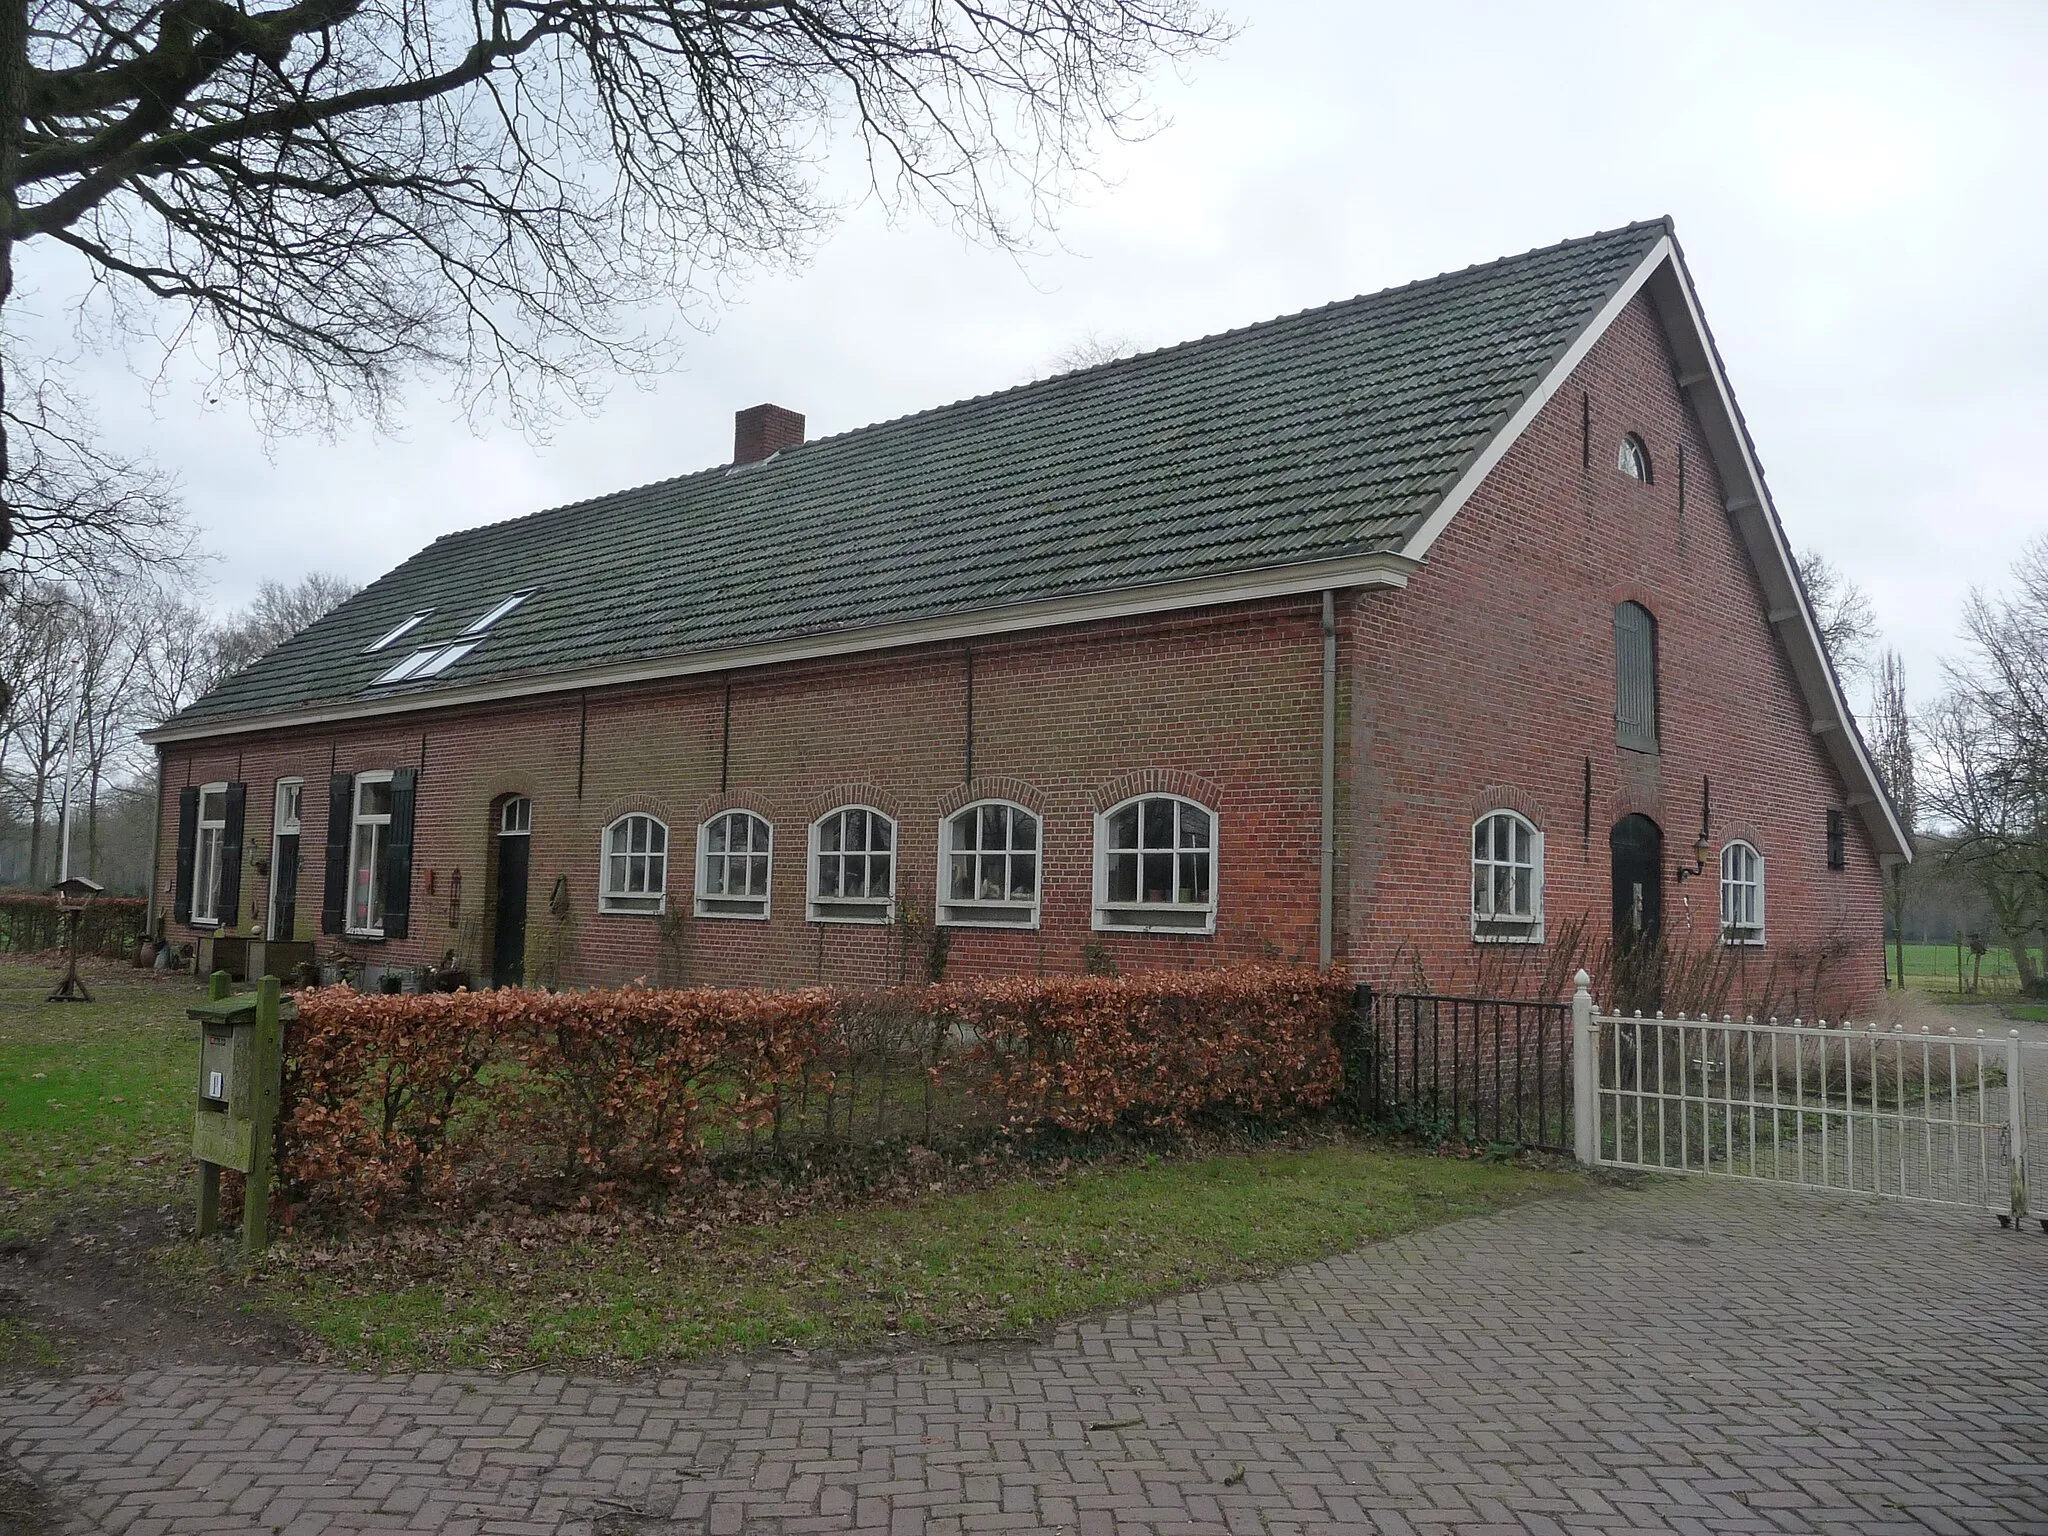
[{"x": 1909, "y": 1116}]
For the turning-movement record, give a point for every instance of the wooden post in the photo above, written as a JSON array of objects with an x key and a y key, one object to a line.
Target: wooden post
[
  {"x": 263, "y": 1108},
  {"x": 209, "y": 1198},
  {"x": 218, "y": 986}
]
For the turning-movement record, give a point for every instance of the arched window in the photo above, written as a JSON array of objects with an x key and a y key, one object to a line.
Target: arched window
[
  {"x": 1634, "y": 459},
  {"x": 1155, "y": 865},
  {"x": 1742, "y": 894},
  {"x": 1507, "y": 879},
  {"x": 635, "y": 865},
  {"x": 733, "y": 861},
  {"x": 1635, "y": 677},
  {"x": 853, "y": 866},
  {"x": 989, "y": 866}
]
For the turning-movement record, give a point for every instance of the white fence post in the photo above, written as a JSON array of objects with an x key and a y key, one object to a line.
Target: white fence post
[
  {"x": 2016, "y": 1112},
  {"x": 1585, "y": 1083}
]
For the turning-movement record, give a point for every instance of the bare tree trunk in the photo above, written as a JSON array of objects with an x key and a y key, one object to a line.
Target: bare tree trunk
[{"x": 14, "y": 83}]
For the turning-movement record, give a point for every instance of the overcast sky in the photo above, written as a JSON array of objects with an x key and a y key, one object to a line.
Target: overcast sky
[{"x": 1859, "y": 189}]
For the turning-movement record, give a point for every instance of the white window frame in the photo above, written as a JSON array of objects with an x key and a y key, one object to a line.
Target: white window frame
[
  {"x": 722, "y": 904},
  {"x": 624, "y": 901},
  {"x": 1742, "y": 933},
  {"x": 1488, "y": 928},
  {"x": 283, "y": 826},
  {"x": 504, "y": 606},
  {"x": 1633, "y": 447},
  {"x": 515, "y": 817},
  {"x": 365, "y": 921},
  {"x": 991, "y": 913},
  {"x": 208, "y": 845},
  {"x": 852, "y": 909},
  {"x": 400, "y": 631},
  {"x": 1140, "y": 915}
]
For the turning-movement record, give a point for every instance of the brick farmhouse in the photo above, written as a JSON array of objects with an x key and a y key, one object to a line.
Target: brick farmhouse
[{"x": 1426, "y": 632}]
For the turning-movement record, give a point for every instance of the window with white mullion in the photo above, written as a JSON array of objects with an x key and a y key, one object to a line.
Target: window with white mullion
[
  {"x": 1155, "y": 865},
  {"x": 733, "y": 864},
  {"x": 1507, "y": 879},
  {"x": 635, "y": 860},
  {"x": 1742, "y": 894},
  {"x": 370, "y": 830},
  {"x": 207, "y": 855},
  {"x": 989, "y": 866},
  {"x": 853, "y": 866}
]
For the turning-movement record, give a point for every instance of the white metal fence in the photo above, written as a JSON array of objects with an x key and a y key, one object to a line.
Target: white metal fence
[{"x": 1940, "y": 1117}]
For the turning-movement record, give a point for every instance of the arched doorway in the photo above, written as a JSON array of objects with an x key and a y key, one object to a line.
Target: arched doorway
[
  {"x": 1636, "y": 849},
  {"x": 508, "y": 925}
]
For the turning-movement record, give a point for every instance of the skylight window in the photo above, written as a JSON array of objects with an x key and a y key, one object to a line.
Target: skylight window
[
  {"x": 402, "y": 630},
  {"x": 410, "y": 667},
  {"x": 498, "y": 612},
  {"x": 445, "y": 658}
]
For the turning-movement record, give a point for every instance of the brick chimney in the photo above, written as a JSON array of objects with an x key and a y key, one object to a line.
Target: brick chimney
[{"x": 760, "y": 430}]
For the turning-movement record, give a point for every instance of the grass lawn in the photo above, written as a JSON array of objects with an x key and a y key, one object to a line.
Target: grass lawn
[
  {"x": 987, "y": 1264},
  {"x": 1933, "y": 967},
  {"x": 95, "y": 1098}
]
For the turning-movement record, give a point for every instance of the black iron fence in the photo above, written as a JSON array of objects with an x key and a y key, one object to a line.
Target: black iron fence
[{"x": 1475, "y": 1068}]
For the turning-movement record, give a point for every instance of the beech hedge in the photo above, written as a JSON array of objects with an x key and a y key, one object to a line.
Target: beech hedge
[{"x": 397, "y": 1103}]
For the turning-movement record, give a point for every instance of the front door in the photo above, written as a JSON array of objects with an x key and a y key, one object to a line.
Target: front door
[
  {"x": 1636, "y": 846},
  {"x": 508, "y": 934}
]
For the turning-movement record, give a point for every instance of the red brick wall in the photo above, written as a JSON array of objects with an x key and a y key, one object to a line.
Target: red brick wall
[
  {"x": 1489, "y": 682},
  {"x": 1223, "y": 705}
]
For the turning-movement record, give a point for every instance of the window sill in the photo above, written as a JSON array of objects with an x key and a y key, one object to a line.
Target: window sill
[
  {"x": 1743, "y": 941},
  {"x": 208, "y": 923},
  {"x": 1529, "y": 934},
  {"x": 869, "y": 914},
  {"x": 606, "y": 910},
  {"x": 1162, "y": 917},
  {"x": 372, "y": 935},
  {"x": 743, "y": 910},
  {"x": 987, "y": 914}
]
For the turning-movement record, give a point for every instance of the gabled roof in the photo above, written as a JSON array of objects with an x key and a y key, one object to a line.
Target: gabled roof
[
  {"x": 1323, "y": 436},
  {"x": 1327, "y": 448}
]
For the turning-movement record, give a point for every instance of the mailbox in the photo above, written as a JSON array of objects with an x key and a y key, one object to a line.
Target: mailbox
[{"x": 240, "y": 1043}]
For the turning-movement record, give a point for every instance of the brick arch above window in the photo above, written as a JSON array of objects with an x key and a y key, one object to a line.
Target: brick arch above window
[
  {"x": 1633, "y": 592},
  {"x": 637, "y": 804},
  {"x": 869, "y": 795},
  {"x": 1507, "y": 797},
  {"x": 1016, "y": 791},
  {"x": 1156, "y": 781},
  {"x": 733, "y": 800}
]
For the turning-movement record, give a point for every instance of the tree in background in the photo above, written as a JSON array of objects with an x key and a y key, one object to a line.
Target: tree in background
[
  {"x": 278, "y": 613},
  {"x": 1891, "y": 751},
  {"x": 1848, "y": 622},
  {"x": 1986, "y": 761},
  {"x": 334, "y": 197}
]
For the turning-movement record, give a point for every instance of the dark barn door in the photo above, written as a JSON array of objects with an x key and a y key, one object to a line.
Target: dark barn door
[
  {"x": 508, "y": 934},
  {"x": 1637, "y": 848}
]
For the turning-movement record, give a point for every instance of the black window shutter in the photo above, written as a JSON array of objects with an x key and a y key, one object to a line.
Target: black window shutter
[
  {"x": 1838, "y": 840},
  {"x": 341, "y": 791},
  {"x": 1635, "y": 677},
  {"x": 188, "y": 850},
  {"x": 230, "y": 910},
  {"x": 396, "y": 874}
]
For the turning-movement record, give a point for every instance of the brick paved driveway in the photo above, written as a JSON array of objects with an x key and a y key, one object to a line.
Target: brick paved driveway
[{"x": 1685, "y": 1356}]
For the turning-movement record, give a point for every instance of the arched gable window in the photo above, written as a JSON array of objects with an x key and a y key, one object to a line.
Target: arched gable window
[
  {"x": 635, "y": 863},
  {"x": 989, "y": 866},
  {"x": 1634, "y": 459},
  {"x": 1155, "y": 865},
  {"x": 1635, "y": 677},
  {"x": 1507, "y": 879},
  {"x": 734, "y": 856},
  {"x": 853, "y": 866},
  {"x": 1742, "y": 894}
]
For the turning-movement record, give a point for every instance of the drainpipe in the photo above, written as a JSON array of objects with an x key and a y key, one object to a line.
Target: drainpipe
[
  {"x": 156, "y": 847},
  {"x": 1329, "y": 850}
]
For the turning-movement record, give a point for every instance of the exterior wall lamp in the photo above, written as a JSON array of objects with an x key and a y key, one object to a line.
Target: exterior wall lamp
[{"x": 1702, "y": 850}]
